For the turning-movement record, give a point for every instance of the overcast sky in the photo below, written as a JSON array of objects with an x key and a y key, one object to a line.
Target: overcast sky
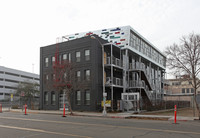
[{"x": 26, "y": 25}]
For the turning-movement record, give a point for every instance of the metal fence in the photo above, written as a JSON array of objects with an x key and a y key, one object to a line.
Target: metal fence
[{"x": 19, "y": 102}]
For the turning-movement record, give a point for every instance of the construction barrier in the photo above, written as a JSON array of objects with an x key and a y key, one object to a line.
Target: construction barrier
[
  {"x": 175, "y": 114},
  {"x": 25, "y": 109},
  {"x": 64, "y": 111}
]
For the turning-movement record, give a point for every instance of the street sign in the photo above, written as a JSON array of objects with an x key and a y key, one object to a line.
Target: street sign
[{"x": 107, "y": 103}]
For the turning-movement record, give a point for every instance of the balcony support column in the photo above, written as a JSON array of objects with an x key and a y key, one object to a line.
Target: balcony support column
[{"x": 111, "y": 51}]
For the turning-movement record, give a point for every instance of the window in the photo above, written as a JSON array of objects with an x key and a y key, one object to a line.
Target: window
[
  {"x": 64, "y": 56},
  {"x": 183, "y": 90},
  {"x": 87, "y": 75},
  {"x": 46, "y": 62},
  {"x": 78, "y": 75},
  {"x": 87, "y": 97},
  {"x": 46, "y": 98},
  {"x": 46, "y": 77},
  {"x": 69, "y": 57},
  {"x": 53, "y": 60},
  {"x": 53, "y": 98},
  {"x": 53, "y": 77},
  {"x": 192, "y": 90},
  {"x": 78, "y": 56},
  {"x": 188, "y": 90},
  {"x": 78, "y": 97},
  {"x": 87, "y": 55}
]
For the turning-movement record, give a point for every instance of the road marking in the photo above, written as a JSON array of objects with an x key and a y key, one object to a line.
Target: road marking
[
  {"x": 43, "y": 131},
  {"x": 102, "y": 125}
]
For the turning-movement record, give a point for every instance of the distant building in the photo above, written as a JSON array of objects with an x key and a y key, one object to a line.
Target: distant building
[
  {"x": 180, "y": 89},
  {"x": 10, "y": 79},
  {"x": 134, "y": 69}
]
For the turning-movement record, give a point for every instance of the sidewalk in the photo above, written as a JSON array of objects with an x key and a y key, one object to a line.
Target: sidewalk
[{"x": 124, "y": 115}]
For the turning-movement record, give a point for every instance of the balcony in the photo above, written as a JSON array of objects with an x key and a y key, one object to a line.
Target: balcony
[
  {"x": 141, "y": 84},
  {"x": 115, "y": 61},
  {"x": 115, "y": 82}
]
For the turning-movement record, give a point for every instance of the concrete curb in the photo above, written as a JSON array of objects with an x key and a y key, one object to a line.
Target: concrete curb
[{"x": 119, "y": 116}]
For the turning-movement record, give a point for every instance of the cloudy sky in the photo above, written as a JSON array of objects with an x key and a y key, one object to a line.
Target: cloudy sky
[{"x": 26, "y": 25}]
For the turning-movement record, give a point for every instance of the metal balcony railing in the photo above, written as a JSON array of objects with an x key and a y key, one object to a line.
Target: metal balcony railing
[
  {"x": 141, "y": 84},
  {"x": 115, "y": 61},
  {"x": 116, "y": 81},
  {"x": 141, "y": 66}
]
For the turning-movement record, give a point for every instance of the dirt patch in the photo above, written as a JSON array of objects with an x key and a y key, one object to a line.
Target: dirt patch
[{"x": 187, "y": 112}]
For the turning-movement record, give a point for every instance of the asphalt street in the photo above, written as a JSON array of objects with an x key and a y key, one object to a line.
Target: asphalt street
[{"x": 18, "y": 125}]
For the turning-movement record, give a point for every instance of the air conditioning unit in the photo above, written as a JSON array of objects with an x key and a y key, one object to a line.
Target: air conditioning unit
[
  {"x": 108, "y": 80},
  {"x": 130, "y": 66},
  {"x": 108, "y": 60},
  {"x": 117, "y": 62}
]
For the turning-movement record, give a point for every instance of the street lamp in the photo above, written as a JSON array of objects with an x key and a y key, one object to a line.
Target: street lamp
[{"x": 104, "y": 93}]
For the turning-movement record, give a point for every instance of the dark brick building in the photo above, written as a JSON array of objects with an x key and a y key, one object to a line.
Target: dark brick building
[{"x": 85, "y": 53}]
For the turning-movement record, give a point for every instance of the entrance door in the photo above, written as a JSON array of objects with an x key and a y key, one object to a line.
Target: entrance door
[{"x": 63, "y": 99}]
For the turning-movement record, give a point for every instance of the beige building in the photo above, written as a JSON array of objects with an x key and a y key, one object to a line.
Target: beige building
[{"x": 179, "y": 89}]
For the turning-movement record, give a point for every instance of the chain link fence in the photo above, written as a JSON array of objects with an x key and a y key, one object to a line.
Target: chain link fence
[{"x": 19, "y": 102}]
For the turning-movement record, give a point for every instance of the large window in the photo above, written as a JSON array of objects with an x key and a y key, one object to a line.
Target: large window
[
  {"x": 46, "y": 98},
  {"x": 87, "y": 74},
  {"x": 69, "y": 57},
  {"x": 53, "y": 98},
  {"x": 192, "y": 90},
  {"x": 46, "y": 62},
  {"x": 87, "y": 55},
  {"x": 188, "y": 90},
  {"x": 53, "y": 60},
  {"x": 78, "y": 75},
  {"x": 64, "y": 56},
  {"x": 53, "y": 76},
  {"x": 46, "y": 78},
  {"x": 183, "y": 90},
  {"x": 87, "y": 97},
  {"x": 78, "y": 97},
  {"x": 78, "y": 56}
]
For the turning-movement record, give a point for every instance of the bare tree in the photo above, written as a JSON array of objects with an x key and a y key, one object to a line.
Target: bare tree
[
  {"x": 64, "y": 78},
  {"x": 185, "y": 59}
]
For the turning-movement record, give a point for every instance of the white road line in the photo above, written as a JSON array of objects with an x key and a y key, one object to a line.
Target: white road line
[
  {"x": 43, "y": 131},
  {"x": 102, "y": 125}
]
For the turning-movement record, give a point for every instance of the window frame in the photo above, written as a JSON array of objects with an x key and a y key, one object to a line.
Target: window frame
[
  {"x": 87, "y": 55},
  {"x": 46, "y": 61},
  {"x": 53, "y": 98},
  {"x": 78, "y": 78},
  {"x": 78, "y": 97},
  {"x": 87, "y": 78},
  {"x": 87, "y": 101},
  {"x": 78, "y": 57},
  {"x": 46, "y": 98}
]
